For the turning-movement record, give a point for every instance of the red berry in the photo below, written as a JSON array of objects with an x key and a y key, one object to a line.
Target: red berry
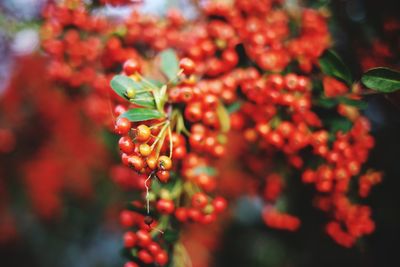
[
  {"x": 165, "y": 206},
  {"x": 199, "y": 200},
  {"x": 130, "y": 239},
  {"x": 122, "y": 126},
  {"x": 131, "y": 264},
  {"x": 145, "y": 256},
  {"x": 163, "y": 176},
  {"x": 187, "y": 65},
  {"x": 161, "y": 258},
  {"x": 181, "y": 214},
  {"x": 154, "y": 248},
  {"x": 144, "y": 238},
  {"x": 219, "y": 204},
  {"x": 131, "y": 66},
  {"x": 127, "y": 218},
  {"x": 126, "y": 145}
]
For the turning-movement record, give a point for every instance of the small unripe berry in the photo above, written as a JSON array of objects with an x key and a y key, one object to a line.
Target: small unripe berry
[
  {"x": 164, "y": 163},
  {"x": 143, "y": 133}
]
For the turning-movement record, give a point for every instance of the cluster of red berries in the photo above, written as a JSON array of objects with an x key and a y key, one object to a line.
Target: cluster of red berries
[
  {"x": 140, "y": 242},
  {"x": 280, "y": 113},
  {"x": 277, "y": 100},
  {"x": 350, "y": 222},
  {"x": 155, "y": 148}
]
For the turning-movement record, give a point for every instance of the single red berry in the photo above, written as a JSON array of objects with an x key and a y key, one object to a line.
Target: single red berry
[
  {"x": 136, "y": 162},
  {"x": 126, "y": 145},
  {"x": 122, "y": 126},
  {"x": 219, "y": 204},
  {"x": 181, "y": 214},
  {"x": 161, "y": 258},
  {"x": 199, "y": 200},
  {"x": 194, "y": 215},
  {"x": 165, "y": 206},
  {"x": 144, "y": 238},
  {"x": 130, "y": 239},
  {"x": 187, "y": 65},
  {"x": 131, "y": 66},
  {"x": 145, "y": 256},
  {"x": 127, "y": 218},
  {"x": 154, "y": 248},
  {"x": 163, "y": 175},
  {"x": 131, "y": 264}
]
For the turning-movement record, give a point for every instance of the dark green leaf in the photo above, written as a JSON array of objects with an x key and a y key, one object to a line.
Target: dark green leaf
[
  {"x": 340, "y": 124},
  {"x": 142, "y": 211},
  {"x": 353, "y": 102},
  {"x": 169, "y": 63},
  {"x": 142, "y": 114},
  {"x": 383, "y": 80},
  {"x": 326, "y": 102},
  {"x": 331, "y": 64},
  {"x": 171, "y": 236},
  {"x": 224, "y": 119}
]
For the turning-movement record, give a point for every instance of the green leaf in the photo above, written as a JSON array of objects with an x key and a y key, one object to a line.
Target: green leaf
[
  {"x": 340, "y": 124},
  {"x": 169, "y": 63},
  {"x": 353, "y": 102},
  {"x": 142, "y": 114},
  {"x": 120, "y": 84},
  {"x": 331, "y": 64},
  {"x": 205, "y": 170},
  {"x": 326, "y": 102},
  {"x": 383, "y": 80},
  {"x": 234, "y": 107},
  {"x": 171, "y": 236},
  {"x": 144, "y": 99},
  {"x": 223, "y": 117},
  {"x": 142, "y": 211}
]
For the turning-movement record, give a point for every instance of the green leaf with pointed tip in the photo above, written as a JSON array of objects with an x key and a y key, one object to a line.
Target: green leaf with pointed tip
[
  {"x": 223, "y": 116},
  {"x": 331, "y": 64},
  {"x": 169, "y": 63},
  {"x": 383, "y": 80},
  {"x": 142, "y": 114},
  {"x": 120, "y": 84}
]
